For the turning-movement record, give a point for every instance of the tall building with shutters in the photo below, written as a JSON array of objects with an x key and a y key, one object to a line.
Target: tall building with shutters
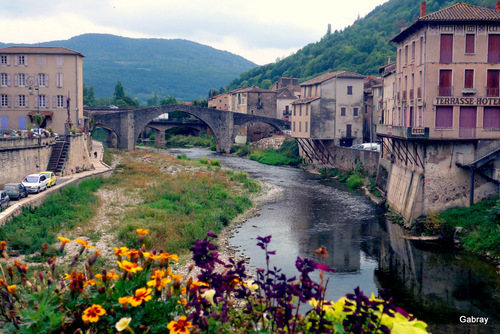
[
  {"x": 440, "y": 138},
  {"x": 44, "y": 80}
]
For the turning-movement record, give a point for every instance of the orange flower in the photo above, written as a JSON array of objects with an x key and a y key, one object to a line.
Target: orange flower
[
  {"x": 179, "y": 327},
  {"x": 132, "y": 253},
  {"x": 84, "y": 243},
  {"x": 182, "y": 301},
  {"x": 12, "y": 289},
  {"x": 158, "y": 281},
  {"x": 140, "y": 231},
  {"x": 89, "y": 282},
  {"x": 167, "y": 256},
  {"x": 129, "y": 266},
  {"x": 150, "y": 256},
  {"x": 124, "y": 300},
  {"x": 63, "y": 240},
  {"x": 93, "y": 313},
  {"x": 142, "y": 294},
  {"x": 3, "y": 246},
  {"x": 121, "y": 251}
]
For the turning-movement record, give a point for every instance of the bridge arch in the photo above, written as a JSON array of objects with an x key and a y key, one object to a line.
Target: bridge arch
[{"x": 223, "y": 124}]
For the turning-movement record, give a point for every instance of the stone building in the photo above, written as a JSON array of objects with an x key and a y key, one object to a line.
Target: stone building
[
  {"x": 440, "y": 147},
  {"x": 328, "y": 114},
  {"x": 45, "y": 80},
  {"x": 372, "y": 114},
  {"x": 287, "y": 91}
]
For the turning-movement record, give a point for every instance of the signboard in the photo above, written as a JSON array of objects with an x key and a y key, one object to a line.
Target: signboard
[{"x": 467, "y": 101}]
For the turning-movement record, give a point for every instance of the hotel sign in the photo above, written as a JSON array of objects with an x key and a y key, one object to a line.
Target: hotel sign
[{"x": 467, "y": 101}]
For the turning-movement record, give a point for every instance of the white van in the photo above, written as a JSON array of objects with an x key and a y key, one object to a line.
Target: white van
[{"x": 370, "y": 146}]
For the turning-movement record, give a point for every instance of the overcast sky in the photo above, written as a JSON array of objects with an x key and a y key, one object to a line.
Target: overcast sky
[{"x": 258, "y": 30}]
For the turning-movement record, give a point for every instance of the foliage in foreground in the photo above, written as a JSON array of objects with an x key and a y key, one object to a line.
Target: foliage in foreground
[{"x": 143, "y": 295}]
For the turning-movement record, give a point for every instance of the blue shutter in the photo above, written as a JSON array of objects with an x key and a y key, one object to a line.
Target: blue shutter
[
  {"x": 4, "y": 122},
  {"x": 21, "y": 121}
]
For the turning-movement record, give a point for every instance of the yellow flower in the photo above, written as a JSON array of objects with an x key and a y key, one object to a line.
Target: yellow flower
[
  {"x": 129, "y": 266},
  {"x": 132, "y": 253},
  {"x": 123, "y": 300},
  {"x": 175, "y": 277},
  {"x": 142, "y": 294},
  {"x": 89, "y": 282},
  {"x": 140, "y": 231},
  {"x": 63, "y": 240},
  {"x": 251, "y": 285},
  {"x": 123, "y": 324},
  {"x": 179, "y": 327},
  {"x": 159, "y": 282},
  {"x": 182, "y": 301},
  {"x": 167, "y": 256},
  {"x": 12, "y": 289},
  {"x": 93, "y": 313},
  {"x": 150, "y": 256},
  {"x": 84, "y": 243}
]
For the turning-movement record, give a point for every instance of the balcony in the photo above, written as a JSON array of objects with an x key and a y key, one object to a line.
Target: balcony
[
  {"x": 492, "y": 91},
  {"x": 445, "y": 90},
  {"x": 404, "y": 95},
  {"x": 402, "y": 131},
  {"x": 416, "y": 133}
]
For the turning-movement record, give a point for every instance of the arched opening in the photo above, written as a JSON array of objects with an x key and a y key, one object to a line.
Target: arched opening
[{"x": 106, "y": 136}]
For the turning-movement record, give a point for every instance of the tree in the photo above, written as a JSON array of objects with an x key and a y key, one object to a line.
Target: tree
[
  {"x": 169, "y": 100},
  {"x": 119, "y": 92},
  {"x": 153, "y": 101}
]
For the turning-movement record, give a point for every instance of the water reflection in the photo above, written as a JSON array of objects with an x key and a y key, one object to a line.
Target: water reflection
[{"x": 437, "y": 285}]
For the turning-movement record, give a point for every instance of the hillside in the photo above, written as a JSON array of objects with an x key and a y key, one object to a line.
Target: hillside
[
  {"x": 179, "y": 68},
  {"x": 362, "y": 47}
]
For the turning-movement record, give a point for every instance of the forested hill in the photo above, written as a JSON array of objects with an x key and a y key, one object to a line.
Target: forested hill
[
  {"x": 168, "y": 67},
  {"x": 362, "y": 47}
]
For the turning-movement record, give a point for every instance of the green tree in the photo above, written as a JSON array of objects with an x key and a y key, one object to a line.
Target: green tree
[
  {"x": 119, "y": 92},
  {"x": 169, "y": 100},
  {"x": 153, "y": 101}
]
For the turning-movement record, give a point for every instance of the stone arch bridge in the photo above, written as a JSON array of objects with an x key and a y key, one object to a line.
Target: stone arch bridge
[{"x": 225, "y": 125}]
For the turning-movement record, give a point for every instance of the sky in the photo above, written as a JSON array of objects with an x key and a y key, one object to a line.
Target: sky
[{"x": 258, "y": 30}]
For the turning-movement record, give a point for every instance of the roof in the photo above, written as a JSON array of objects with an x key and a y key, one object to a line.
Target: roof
[
  {"x": 459, "y": 12},
  {"x": 330, "y": 75},
  {"x": 38, "y": 50},
  {"x": 305, "y": 100},
  {"x": 253, "y": 89}
]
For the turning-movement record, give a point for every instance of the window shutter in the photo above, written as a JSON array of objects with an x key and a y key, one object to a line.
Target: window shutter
[
  {"x": 16, "y": 80},
  {"x": 16, "y": 102},
  {"x": 9, "y": 101},
  {"x": 26, "y": 60},
  {"x": 47, "y": 101},
  {"x": 16, "y": 60},
  {"x": 8, "y": 80},
  {"x": 494, "y": 48},
  {"x": 27, "y": 101},
  {"x": 446, "y": 50},
  {"x": 8, "y": 60},
  {"x": 46, "y": 80},
  {"x": 54, "y": 101}
]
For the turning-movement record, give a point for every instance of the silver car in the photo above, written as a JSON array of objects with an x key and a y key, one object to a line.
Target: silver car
[
  {"x": 4, "y": 200},
  {"x": 35, "y": 183}
]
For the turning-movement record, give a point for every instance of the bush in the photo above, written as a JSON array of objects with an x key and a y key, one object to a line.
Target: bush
[{"x": 355, "y": 181}]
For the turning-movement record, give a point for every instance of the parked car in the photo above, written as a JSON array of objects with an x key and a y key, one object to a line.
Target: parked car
[
  {"x": 4, "y": 200},
  {"x": 15, "y": 190},
  {"x": 358, "y": 146},
  {"x": 51, "y": 177},
  {"x": 371, "y": 146},
  {"x": 35, "y": 183},
  {"x": 41, "y": 132}
]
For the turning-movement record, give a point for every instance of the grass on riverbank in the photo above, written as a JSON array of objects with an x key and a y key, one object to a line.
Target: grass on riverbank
[
  {"x": 177, "y": 200},
  {"x": 286, "y": 155},
  {"x": 482, "y": 224},
  {"x": 354, "y": 179}
]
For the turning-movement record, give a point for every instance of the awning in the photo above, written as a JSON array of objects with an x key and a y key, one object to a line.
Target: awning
[{"x": 44, "y": 113}]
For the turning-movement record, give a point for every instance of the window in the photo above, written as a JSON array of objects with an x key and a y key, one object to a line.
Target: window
[
  {"x": 21, "y": 101},
  {"x": 355, "y": 112},
  {"x": 470, "y": 43},
  {"x": 4, "y": 102},
  {"x": 469, "y": 79},
  {"x": 4, "y": 79},
  {"x": 305, "y": 130},
  {"x": 446, "y": 50},
  {"x": 445, "y": 88},
  {"x": 413, "y": 51},
  {"x": 406, "y": 54},
  {"x": 21, "y": 80},
  {"x": 21, "y": 60},
  {"x": 421, "y": 50},
  {"x": 307, "y": 110},
  {"x": 60, "y": 101},
  {"x": 444, "y": 117},
  {"x": 491, "y": 118},
  {"x": 342, "y": 111},
  {"x": 59, "y": 61},
  {"x": 42, "y": 80},
  {"x": 349, "y": 90},
  {"x": 494, "y": 48},
  {"x": 300, "y": 126},
  {"x": 300, "y": 112},
  {"x": 41, "y": 101},
  {"x": 493, "y": 83},
  {"x": 4, "y": 122},
  {"x": 4, "y": 60},
  {"x": 294, "y": 126},
  {"x": 21, "y": 121},
  {"x": 41, "y": 60},
  {"x": 400, "y": 60}
]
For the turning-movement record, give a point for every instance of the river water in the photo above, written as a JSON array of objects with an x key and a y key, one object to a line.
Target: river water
[{"x": 444, "y": 287}]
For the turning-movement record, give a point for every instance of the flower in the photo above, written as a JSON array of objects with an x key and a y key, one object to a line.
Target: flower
[
  {"x": 123, "y": 300},
  {"x": 158, "y": 280},
  {"x": 121, "y": 251},
  {"x": 123, "y": 324},
  {"x": 3, "y": 246},
  {"x": 132, "y": 253},
  {"x": 142, "y": 294},
  {"x": 12, "y": 289},
  {"x": 63, "y": 240},
  {"x": 251, "y": 285},
  {"x": 93, "y": 313},
  {"x": 84, "y": 243},
  {"x": 129, "y": 266},
  {"x": 181, "y": 326},
  {"x": 209, "y": 296},
  {"x": 140, "y": 231}
]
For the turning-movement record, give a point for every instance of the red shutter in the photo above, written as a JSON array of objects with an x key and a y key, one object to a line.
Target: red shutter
[
  {"x": 470, "y": 43},
  {"x": 469, "y": 79},
  {"x": 491, "y": 118},
  {"x": 467, "y": 117},
  {"x": 444, "y": 117},
  {"x": 446, "y": 54},
  {"x": 493, "y": 83},
  {"x": 445, "y": 83},
  {"x": 494, "y": 48}
]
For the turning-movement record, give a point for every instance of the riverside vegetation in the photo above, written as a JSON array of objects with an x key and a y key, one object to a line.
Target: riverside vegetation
[{"x": 179, "y": 203}]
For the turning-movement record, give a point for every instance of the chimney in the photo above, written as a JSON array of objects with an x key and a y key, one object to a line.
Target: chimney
[
  {"x": 498, "y": 6},
  {"x": 423, "y": 8}
]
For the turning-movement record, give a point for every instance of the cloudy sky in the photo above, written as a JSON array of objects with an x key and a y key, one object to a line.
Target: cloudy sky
[{"x": 258, "y": 30}]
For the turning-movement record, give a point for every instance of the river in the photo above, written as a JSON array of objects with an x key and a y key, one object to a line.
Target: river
[{"x": 444, "y": 287}]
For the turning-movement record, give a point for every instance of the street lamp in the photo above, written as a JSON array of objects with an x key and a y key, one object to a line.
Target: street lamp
[{"x": 32, "y": 83}]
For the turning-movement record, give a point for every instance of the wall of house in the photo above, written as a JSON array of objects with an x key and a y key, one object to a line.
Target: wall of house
[
  {"x": 79, "y": 154},
  {"x": 23, "y": 156}
]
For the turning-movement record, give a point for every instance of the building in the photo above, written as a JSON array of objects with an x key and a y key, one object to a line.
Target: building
[
  {"x": 287, "y": 91},
  {"x": 330, "y": 109},
  {"x": 45, "y": 80},
  {"x": 440, "y": 134},
  {"x": 372, "y": 114},
  {"x": 220, "y": 102}
]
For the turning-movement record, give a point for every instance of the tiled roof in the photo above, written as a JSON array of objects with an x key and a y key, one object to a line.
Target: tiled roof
[
  {"x": 459, "y": 12},
  {"x": 38, "y": 50},
  {"x": 330, "y": 75},
  {"x": 305, "y": 100}
]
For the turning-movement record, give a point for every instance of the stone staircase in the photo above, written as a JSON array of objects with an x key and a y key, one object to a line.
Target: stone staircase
[
  {"x": 58, "y": 156},
  {"x": 481, "y": 159}
]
